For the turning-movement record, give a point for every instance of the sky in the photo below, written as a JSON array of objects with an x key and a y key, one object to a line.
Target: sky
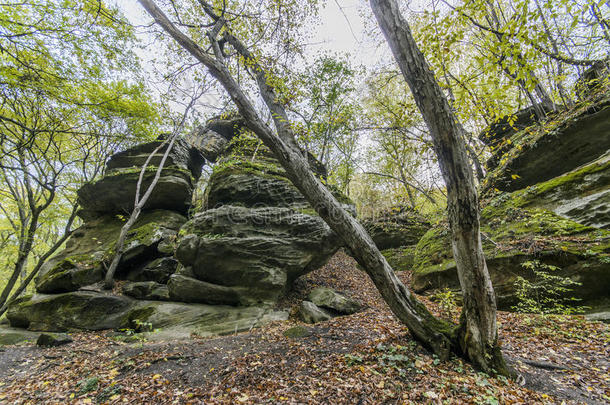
[{"x": 341, "y": 30}]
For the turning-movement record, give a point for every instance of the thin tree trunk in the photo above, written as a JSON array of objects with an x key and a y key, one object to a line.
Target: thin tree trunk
[
  {"x": 22, "y": 257},
  {"x": 430, "y": 331},
  {"x": 138, "y": 205},
  {"x": 478, "y": 335},
  {"x": 24, "y": 284}
]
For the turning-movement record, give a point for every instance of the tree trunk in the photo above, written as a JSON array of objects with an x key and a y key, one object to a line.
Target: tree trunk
[
  {"x": 477, "y": 336},
  {"x": 22, "y": 257},
  {"x": 430, "y": 331},
  {"x": 138, "y": 205},
  {"x": 67, "y": 232}
]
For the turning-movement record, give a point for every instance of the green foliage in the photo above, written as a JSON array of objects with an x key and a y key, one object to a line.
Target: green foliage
[
  {"x": 88, "y": 385},
  {"x": 447, "y": 301},
  {"x": 352, "y": 359},
  {"x": 70, "y": 95},
  {"x": 545, "y": 292},
  {"x": 325, "y": 112}
]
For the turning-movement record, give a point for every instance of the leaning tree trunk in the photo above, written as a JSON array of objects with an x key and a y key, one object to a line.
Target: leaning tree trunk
[
  {"x": 478, "y": 336},
  {"x": 431, "y": 332},
  {"x": 25, "y": 248},
  {"x": 139, "y": 203}
]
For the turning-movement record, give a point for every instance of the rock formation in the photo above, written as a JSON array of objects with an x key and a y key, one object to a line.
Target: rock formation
[
  {"x": 547, "y": 201},
  {"x": 218, "y": 272},
  {"x": 256, "y": 236},
  {"x": 396, "y": 233}
]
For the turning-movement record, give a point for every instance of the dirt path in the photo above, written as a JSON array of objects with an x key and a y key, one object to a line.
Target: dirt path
[{"x": 367, "y": 358}]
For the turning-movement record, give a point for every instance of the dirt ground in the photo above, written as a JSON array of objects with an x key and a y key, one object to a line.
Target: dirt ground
[{"x": 366, "y": 358}]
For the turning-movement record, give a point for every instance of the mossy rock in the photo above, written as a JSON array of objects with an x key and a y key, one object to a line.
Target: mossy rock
[
  {"x": 514, "y": 232},
  {"x": 400, "y": 258},
  {"x": 114, "y": 193},
  {"x": 90, "y": 310},
  {"x": 13, "y": 336},
  {"x": 91, "y": 247},
  {"x": 71, "y": 311},
  {"x": 258, "y": 249},
  {"x": 396, "y": 227},
  {"x": 297, "y": 332},
  {"x": 183, "y": 156},
  {"x": 563, "y": 143}
]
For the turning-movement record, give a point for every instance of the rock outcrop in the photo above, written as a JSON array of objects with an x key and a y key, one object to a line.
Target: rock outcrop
[
  {"x": 548, "y": 203},
  {"x": 256, "y": 236},
  {"x": 562, "y": 144},
  {"x": 218, "y": 272},
  {"x": 396, "y": 232}
]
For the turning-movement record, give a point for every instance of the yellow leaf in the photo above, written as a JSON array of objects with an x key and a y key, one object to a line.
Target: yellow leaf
[
  {"x": 113, "y": 373},
  {"x": 362, "y": 369},
  {"x": 72, "y": 395},
  {"x": 156, "y": 376},
  {"x": 515, "y": 176}
]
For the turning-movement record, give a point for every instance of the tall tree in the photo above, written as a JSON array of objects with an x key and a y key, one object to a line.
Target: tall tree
[
  {"x": 70, "y": 94},
  {"x": 478, "y": 332},
  {"x": 324, "y": 115},
  {"x": 433, "y": 333}
]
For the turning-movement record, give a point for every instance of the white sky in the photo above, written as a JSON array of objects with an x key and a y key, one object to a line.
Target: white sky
[{"x": 341, "y": 30}]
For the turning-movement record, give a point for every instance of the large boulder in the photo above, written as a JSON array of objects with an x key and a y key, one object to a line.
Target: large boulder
[
  {"x": 541, "y": 153},
  {"x": 396, "y": 227},
  {"x": 260, "y": 250},
  {"x": 92, "y": 310},
  {"x": 396, "y": 232},
  {"x": 91, "y": 247},
  {"x": 258, "y": 233},
  {"x": 311, "y": 313},
  {"x": 88, "y": 310},
  {"x": 332, "y": 300},
  {"x": 545, "y": 216},
  {"x": 115, "y": 192},
  {"x": 519, "y": 229}
]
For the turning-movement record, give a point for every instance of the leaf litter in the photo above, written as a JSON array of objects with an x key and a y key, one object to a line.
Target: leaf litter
[{"x": 365, "y": 358}]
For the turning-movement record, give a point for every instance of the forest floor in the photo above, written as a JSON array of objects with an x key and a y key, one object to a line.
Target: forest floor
[{"x": 366, "y": 358}]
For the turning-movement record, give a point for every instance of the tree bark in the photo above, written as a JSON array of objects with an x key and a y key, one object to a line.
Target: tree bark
[
  {"x": 477, "y": 336},
  {"x": 430, "y": 331}
]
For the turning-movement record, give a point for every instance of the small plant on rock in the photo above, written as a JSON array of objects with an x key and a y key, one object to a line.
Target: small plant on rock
[
  {"x": 447, "y": 301},
  {"x": 547, "y": 292}
]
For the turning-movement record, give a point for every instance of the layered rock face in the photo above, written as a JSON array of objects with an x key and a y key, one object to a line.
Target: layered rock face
[
  {"x": 218, "y": 272},
  {"x": 256, "y": 236},
  {"x": 105, "y": 205},
  {"x": 396, "y": 233},
  {"x": 548, "y": 203}
]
